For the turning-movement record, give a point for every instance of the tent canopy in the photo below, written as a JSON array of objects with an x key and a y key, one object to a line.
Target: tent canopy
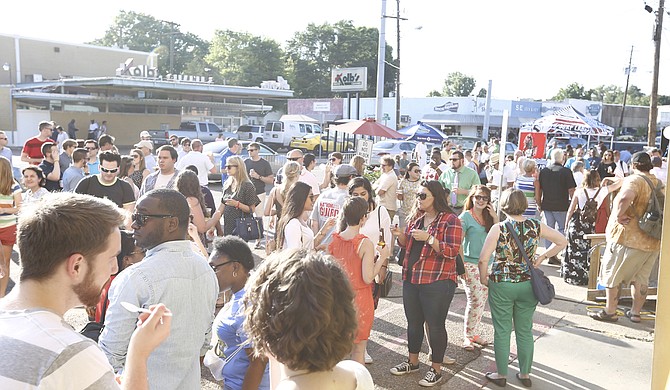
[
  {"x": 297, "y": 118},
  {"x": 367, "y": 127},
  {"x": 423, "y": 132},
  {"x": 569, "y": 121}
]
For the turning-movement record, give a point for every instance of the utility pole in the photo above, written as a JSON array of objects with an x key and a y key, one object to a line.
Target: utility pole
[
  {"x": 397, "y": 84},
  {"x": 381, "y": 54},
  {"x": 653, "y": 101},
  {"x": 625, "y": 91}
]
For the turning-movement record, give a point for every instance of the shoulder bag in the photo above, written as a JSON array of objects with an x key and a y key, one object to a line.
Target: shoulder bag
[
  {"x": 248, "y": 228},
  {"x": 93, "y": 329},
  {"x": 542, "y": 287},
  {"x": 382, "y": 288}
]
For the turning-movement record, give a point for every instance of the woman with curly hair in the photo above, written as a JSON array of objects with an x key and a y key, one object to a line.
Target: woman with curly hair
[
  {"x": 300, "y": 313},
  {"x": 141, "y": 172},
  {"x": 34, "y": 181},
  {"x": 476, "y": 221}
]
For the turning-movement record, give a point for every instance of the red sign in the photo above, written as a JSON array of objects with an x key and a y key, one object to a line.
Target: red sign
[{"x": 532, "y": 143}]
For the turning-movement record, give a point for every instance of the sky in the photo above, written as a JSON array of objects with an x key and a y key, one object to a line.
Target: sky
[{"x": 528, "y": 48}]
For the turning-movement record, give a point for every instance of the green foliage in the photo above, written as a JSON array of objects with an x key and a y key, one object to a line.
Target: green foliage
[
  {"x": 613, "y": 94},
  {"x": 314, "y": 52},
  {"x": 372, "y": 174},
  {"x": 482, "y": 93},
  {"x": 143, "y": 32},
  {"x": 573, "y": 91},
  {"x": 458, "y": 84},
  {"x": 244, "y": 59},
  {"x": 434, "y": 93}
]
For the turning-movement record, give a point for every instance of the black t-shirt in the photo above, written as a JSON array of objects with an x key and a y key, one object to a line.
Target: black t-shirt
[
  {"x": 603, "y": 171},
  {"x": 555, "y": 181},
  {"x": 263, "y": 168},
  {"x": 119, "y": 192},
  {"x": 414, "y": 253},
  {"x": 47, "y": 168}
]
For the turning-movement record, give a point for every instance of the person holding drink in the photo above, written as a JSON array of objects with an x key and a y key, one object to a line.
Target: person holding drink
[{"x": 459, "y": 179}]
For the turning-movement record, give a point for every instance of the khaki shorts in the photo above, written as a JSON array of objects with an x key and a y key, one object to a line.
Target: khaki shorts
[{"x": 621, "y": 264}]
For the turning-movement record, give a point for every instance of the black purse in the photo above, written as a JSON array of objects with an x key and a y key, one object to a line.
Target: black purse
[
  {"x": 93, "y": 329},
  {"x": 542, "y": 288},
  {"x": 248, "y": 228}
]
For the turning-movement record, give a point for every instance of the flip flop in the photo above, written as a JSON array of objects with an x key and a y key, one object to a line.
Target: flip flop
[
  {"x": 633, "y": 317},
  {"x": 602, "y": 315},
  {"x": 479, "y": 341}
]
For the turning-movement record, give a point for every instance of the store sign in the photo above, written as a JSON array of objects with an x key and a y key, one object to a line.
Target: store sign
[
  {"x": 364, "y": 149},
  {"x": 127, "y": 69},
  {"x": 321, "y": 106},
  {"x": 349, "y": 79},
  {"x": 526, "y": 109}
]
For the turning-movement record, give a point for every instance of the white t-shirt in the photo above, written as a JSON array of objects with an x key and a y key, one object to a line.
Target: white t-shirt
[
  {"x": 202, "y": 162},
  {"x": 309, "y": 178},
  {"x": 581, "y": 196},
  {"x": 298, "y": 235},
  {"x": 363, "y": 378},
  {"x": 660, "y": 173},
  {"x": 388, "y": 182},
  {"x": 421, "y": 154},
  {"x": 163, "y": 180},
  {"x": 371, "y": 227},
  {"x": 579, "y": 178},
  {"x": 41, "y": 351},
  {"x": 328, "y": 205}
]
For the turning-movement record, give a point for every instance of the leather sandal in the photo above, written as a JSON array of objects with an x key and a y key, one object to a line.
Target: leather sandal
[
  {"x": 602, "y": 315},
  {"x": 526, "y": 382},
  {"x": 633, "y": 317},
  {"x": 479, "y": 341},
  {"x": 500, "y": 382}
]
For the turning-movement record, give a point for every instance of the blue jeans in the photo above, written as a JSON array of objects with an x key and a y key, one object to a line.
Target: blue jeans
[
  {"x": 553, "y": 218},
  {"x": 428, "y": 303}
]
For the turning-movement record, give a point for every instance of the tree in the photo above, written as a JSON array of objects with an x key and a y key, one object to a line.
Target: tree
[
  {"x": 573, "y": 91},
  {"x": 434, "y": 93},
  {"x": 613, "y": 94},
  {"x": 143, "y": 32},
  {"x": 482, "y": 93},
  {"x": 244, "y": 59},
  {"x": 458, "y": 84},
  {"x": 311, "y": 54}
]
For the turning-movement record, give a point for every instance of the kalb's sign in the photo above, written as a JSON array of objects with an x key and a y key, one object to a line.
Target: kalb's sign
[
  {"x": 127, "y": 69},
  {"x": 349, "y": 79}
]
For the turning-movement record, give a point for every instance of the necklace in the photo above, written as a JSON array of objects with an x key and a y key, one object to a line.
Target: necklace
[{"x": 476, "y": 218}]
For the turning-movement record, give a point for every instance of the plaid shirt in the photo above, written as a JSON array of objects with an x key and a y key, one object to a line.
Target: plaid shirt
[{"x": 433, "y": 266}]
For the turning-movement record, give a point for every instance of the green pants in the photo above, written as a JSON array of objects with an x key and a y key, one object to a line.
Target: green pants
[{"x": 512, "y": 304}]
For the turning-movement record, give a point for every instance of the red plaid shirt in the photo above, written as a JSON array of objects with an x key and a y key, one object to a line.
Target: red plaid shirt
[{"x": 433, "y": 266}]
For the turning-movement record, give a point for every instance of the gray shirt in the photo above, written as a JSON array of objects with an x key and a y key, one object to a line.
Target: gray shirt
[
  {"x": 173, "y": 274},
  {"x": 328, "y": 205},
  {"x": 71, "y": 177}
]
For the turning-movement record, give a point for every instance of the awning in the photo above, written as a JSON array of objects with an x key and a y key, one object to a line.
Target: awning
[{"x": 468, "y": 120}]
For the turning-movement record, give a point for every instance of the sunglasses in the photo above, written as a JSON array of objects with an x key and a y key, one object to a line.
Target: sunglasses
[
  {"x": 416, "y": 171},
  {"x": 482, "y": 197},
  {"x": 333, "y": 159},
  {"x": 113, "y": 170},
  {"x": 252, "y": 150},
  {"x": 230, "y": 166},
  {"x": 422, "y": 195},
  {"x": 141, "y": 219},
  {"x": 294, "y": 158},
  {"x": 136, "y": 156},
  {"x": 217, "y": 266},
  {"x": 455, "y": 159},
  {"x": 91, "y": 148}
]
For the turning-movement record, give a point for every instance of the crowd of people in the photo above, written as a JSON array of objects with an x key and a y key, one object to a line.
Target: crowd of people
[{"x": 159, "y": 247}]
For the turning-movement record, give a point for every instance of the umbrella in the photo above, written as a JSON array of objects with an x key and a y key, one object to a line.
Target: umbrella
[
  {"x": 423, "y": 132},
  {"x": 367, "y": 127}
]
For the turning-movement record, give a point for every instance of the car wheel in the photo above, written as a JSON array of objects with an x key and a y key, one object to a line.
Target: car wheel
[{"x": 317, "y": 150}]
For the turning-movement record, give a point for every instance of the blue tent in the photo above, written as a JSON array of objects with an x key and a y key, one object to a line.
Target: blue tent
[{"x": 423, "y": 132}]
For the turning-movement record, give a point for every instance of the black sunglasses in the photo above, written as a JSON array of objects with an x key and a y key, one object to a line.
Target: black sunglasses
[
  {"x": 422, "y": 195},
  {"x": 482, "y": 197},
  {"x": 113, "y": 170},
  {"x": 294, "y": 158},
  {"x": 141, "y": 219},
  {"x": 217, "y": 266}
]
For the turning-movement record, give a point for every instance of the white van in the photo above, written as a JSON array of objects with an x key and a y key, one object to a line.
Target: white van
[{"x": 278, "y": 134}]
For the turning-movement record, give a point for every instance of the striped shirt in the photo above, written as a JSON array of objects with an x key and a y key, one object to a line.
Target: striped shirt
[
  {"x": 7, "y": 201},
  {"x": 40, "y": 350},
  {"x": 527, "y": 186}
]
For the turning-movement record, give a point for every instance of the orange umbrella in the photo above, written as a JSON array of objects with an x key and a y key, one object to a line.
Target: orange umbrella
[{"x": 367, "y": 127}]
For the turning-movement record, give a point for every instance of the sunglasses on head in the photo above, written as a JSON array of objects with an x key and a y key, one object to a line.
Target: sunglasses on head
[
  {"x": 113, "y": 170},
  {"x": 422, "y": 195},
  {"x": 141, "y": 219}
]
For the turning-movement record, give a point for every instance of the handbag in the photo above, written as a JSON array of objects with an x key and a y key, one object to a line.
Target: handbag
[
  {"x": 248, "y": 228},
  {"x": 383, "y": 288},
  {"x": 542, "y": 287},
  {"x": 93, "y": 329},
  {"x": 460, "y": 266},
  {"x": 215, "y": 361}
]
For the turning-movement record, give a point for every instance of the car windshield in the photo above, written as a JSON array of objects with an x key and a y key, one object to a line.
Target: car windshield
[
  {"x": 215, "y": 147},
  {"x": 384, "y": 145},
  {"x": 245, "y": 129}
]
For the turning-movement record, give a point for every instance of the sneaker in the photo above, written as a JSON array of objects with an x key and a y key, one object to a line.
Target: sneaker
[
  {"x": 404, "y": 368},
  {"x": 431, "y": 379},
  {"x": 368, "y": 358}
]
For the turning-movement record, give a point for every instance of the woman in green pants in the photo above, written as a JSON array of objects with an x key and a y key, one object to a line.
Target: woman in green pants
[{"x": 511, "y": 297}]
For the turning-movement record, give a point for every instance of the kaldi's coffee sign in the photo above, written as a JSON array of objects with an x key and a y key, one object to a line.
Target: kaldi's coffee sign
[
  {"x": 149, "y": 72},
  {"x": 349, "y": 79}
]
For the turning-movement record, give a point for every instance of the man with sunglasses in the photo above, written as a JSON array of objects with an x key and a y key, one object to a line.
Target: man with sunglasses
[
  {"x": 93, "y": 163},
  {"x": 171, "y": 273},
  {"x": 458, "y": 179},
  {"x": 107, "y": 185}
]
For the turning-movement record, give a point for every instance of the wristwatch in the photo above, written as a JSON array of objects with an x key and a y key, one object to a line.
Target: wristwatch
[{"x": 431, "y": 240}]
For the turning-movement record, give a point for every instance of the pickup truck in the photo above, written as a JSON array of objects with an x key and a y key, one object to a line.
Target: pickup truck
[{"x": 204, "y": 131}]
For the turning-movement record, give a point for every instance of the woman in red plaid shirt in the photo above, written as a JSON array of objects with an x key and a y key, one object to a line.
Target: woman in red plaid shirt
[{"x": 432, "y": 240}]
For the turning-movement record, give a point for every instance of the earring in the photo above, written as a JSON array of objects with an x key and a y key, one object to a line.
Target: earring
[{"x": 234, "y": 274}]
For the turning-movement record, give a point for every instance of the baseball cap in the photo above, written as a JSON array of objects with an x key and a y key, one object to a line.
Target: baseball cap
[
  {"x": 144, "y": 144},
  {"x": 641, "y": 158},
  {"x": 343, "y": 170},
  {"x": 145, "y": 134}
]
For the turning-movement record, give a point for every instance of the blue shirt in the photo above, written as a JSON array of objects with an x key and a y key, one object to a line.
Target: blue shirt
[
  {"x": 71, "y": 178},
  {"x": 224, "y": 157},
  {"x": 93, "y": 168},
  {"x": 228, "y": 328},
  {"x": 173, "y": 274}
]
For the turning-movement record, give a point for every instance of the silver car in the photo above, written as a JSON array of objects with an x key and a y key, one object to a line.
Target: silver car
[
  {"x": 391, "y": 147},
  {"x": 217, "y": 148}
]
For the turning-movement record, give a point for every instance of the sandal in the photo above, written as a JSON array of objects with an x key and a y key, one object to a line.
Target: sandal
[
  {"x": 479, "y": 341},
  {"x": 500, "y": 382},
  {"x": 633, "y": 317},
  {"x": 526, "y": 382},
  {"x": 602, "y": 315}
]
